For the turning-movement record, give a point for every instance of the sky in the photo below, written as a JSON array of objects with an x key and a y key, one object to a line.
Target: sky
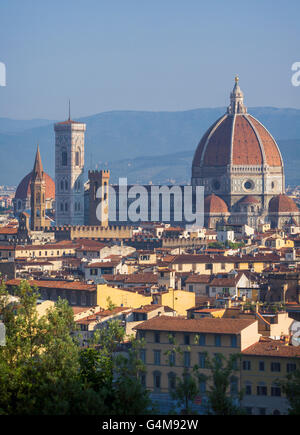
[{"x": 158, "y": 55}]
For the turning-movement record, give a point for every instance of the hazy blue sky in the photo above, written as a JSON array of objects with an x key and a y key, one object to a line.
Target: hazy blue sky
[{"x": 145, "y": 55}]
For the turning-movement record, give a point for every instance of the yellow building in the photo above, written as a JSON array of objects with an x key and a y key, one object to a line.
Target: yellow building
[
  {"x": 120, "y": 297},
  {"x": 263, "y": 365},
  {"x": 214, "y": 264},
  {"x": 198, "y": 339},
  {"x": 179, "y": 300}
]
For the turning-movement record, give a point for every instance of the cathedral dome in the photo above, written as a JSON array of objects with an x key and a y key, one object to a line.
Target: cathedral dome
[
  {"x": 237, "y": 139},
  {"x": 214, "y": 204},
  {"x": 24, "y": 190},
  {"x": 282, "y": 204},
  {"x": 249, "y": 199}
]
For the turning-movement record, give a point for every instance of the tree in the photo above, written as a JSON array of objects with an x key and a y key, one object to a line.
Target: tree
[
  {"x": 222, "y": 401},
  {"x": 291, "y": 388},
  {"x": 43, "y": 370},
  {"x": 222, "y": 398},
  {"x": 115, "y": 374},
  {"x": 185, "y": 391}
]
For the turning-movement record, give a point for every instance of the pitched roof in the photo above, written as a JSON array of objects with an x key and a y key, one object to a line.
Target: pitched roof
[
  {"x": 205, "y": 325},
  {"x": 66, "y": 285},
  {"x": 273, "y": 348}
]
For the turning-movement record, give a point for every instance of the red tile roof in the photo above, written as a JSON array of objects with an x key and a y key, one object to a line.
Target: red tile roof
[
  {"x": 273, "y": 348},
  {"x": 67, "y": 285},
  {"x": 215, "y": 204},
  {"x": 206, "y": 325}
]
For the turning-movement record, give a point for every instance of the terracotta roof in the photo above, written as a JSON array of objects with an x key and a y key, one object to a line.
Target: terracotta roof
[
  {"x": 147, "y": 308},
  {"x": 101, "y": 314},
  {"x": 24, "y": 188},
  {"x": 272, "y": 153},
  {"x": 223, "y": 282},
  {"x": 240, "y": 139},
  {"x": 198, "y": 279},
  {"x": 68, "y": 122},
  {"x": 103, "y": 264},
  {"x": 8, "y": 230},
  {"x": 249, "y": 199},
  {"x": 282, "y": 204},
  {"x": 221, "y": 326},
  {"x": 273, "y": 348},
  {"x": 215, "y": 204},
  {"x": 138, "y": 278},
  {"x": 67, "y": 285},
  {"x": 199, "y": 258}
]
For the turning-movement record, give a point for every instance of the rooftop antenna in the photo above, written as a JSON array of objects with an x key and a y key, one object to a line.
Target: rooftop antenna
[{"x": 69, "y": 110}]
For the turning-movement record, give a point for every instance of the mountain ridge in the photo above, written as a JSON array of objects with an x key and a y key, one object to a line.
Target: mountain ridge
[{"x": 118, "y": 135}]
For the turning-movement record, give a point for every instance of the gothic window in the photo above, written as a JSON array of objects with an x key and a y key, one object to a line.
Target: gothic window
[
  {"x": 75, "y": 206},
  {"x": 78, "y": 206},
  {"x": 66, "y": 206},
  {"x": 64, "y": 158},
  {"x": 66, "y": 185},
  {"x": 77, "y": 158},
  {"x": 61, "y": 185},
  {"x": 38, "y": 198},
  {"x": 61, "y": 206}
]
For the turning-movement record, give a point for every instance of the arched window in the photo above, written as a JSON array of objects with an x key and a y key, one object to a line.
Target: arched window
[
  {"x": 66, "y": 206},
  {"x": 75, "y": 206},
  {"x": 66, "y": 185},
  {"x": 62, "y": 185},
  {"x": 64, "y": 158},
  {"x": 77, "y": 158},
  {"x": 79, "y": 206},
  {"x": 61, "y": 206}
]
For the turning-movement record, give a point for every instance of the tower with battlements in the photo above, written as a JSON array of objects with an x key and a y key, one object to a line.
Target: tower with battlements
[{"x": 98, "y": 197}]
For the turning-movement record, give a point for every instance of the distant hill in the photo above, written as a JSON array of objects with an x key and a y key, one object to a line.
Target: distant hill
[{"x": 145, "y": 146}]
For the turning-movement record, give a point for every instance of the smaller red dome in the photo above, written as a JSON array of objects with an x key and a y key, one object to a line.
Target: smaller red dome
[
  {"x": 249, "y": 199},
  {"x": 24, "y": 190},
  {"x": 282, "y": 204},
  {"x": 215, "y": 204}
]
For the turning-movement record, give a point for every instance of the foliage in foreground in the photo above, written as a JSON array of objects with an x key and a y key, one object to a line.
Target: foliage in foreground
[{"x": 44, "y": 371}]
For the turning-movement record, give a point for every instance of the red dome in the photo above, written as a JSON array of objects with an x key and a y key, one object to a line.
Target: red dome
[
  {"x": 282, "y": 204},
  {"x": 249, "y": 199},
  {"x": 214, "y": 204},
  {"x": 23, "y": 190},
  {"x": 238, "y": 139}
]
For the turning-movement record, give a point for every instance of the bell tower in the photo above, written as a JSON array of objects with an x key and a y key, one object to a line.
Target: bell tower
[
  {"x": 38, "y": 187},
  {"x": 69, "y": 170}
]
